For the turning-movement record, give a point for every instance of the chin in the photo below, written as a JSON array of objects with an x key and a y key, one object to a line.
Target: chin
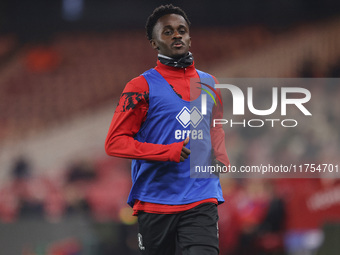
[{"x": 179, "y": 55}]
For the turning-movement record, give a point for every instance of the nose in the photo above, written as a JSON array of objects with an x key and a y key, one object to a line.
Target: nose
[{"x": 177, "y": 35}]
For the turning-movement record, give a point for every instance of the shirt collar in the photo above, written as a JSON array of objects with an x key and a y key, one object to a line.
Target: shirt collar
[{"x": 171, "y": 71}]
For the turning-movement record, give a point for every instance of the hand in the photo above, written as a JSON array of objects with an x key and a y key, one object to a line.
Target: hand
[
  {"x": 185, "y": 151},
  {"x": 217, "y": 162}
]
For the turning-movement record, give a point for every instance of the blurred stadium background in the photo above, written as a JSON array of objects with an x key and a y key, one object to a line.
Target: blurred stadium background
[{"x": 63, "y": 65}]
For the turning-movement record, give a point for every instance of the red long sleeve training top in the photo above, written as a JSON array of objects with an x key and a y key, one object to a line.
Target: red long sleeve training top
[{"x": 132, "y": 111}]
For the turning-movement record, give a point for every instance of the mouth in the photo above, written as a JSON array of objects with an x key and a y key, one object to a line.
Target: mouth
[{"x": 177, "y": 44}]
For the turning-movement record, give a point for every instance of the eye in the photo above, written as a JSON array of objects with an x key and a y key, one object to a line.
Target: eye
[
  {"x": 167, "y": 32},
  {"x": 182, "y": 31}
]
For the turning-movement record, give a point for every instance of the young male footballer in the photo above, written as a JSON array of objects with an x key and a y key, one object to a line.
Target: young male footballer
[{"x": 152, "y": 125}]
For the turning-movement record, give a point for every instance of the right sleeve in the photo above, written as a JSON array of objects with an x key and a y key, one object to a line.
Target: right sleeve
[
  {"x": 217, "y": 133},
  {"x": 129, "y": 115}
]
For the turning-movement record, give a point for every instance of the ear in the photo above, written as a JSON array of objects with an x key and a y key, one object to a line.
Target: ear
[
  {"x": 153, "y": 44},
  {"x": 190, "y": 42}
]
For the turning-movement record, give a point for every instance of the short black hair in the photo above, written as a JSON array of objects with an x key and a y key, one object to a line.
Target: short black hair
[{"x": 160, "y": 12}]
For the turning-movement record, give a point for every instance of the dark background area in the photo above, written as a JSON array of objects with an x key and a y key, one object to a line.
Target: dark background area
[{"x": 37, "y": 19}]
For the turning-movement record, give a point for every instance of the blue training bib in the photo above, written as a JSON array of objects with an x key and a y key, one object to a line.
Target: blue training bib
[{"x": 171, "y": 119}]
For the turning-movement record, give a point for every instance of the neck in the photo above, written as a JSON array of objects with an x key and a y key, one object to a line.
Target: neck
[{"x": 174, "y": 57}]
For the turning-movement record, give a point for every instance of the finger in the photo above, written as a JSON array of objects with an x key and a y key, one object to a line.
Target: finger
[
  {"x": 186, "y": 150},
  {"x": 186, "y": 141},
  {"x": 184, "y": 155}
]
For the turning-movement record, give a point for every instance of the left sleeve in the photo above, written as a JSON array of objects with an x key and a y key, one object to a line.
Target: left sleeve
[{"x": 217, "y": 133}]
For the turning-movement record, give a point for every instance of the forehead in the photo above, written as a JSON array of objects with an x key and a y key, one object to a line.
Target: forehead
[{"x": 173, "y": 20}]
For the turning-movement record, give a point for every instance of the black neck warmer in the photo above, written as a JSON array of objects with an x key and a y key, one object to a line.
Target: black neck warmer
[{"x": 182, "y": 62}]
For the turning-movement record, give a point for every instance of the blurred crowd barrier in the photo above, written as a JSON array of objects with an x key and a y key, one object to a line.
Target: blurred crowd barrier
[
  {"x": 314, "y": 47},
  {"x": 64, "y": 196}
]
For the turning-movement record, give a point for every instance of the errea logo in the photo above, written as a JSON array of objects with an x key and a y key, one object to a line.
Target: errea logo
[
  {"x": 194, "y": 116},
  {"x": 186, "y": 117}
]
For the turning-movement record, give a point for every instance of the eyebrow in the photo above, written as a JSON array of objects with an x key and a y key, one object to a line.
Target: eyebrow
[{"x": 180, "y": 26}]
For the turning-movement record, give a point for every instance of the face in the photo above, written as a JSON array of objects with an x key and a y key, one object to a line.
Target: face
[{"x": 171, "y": 36}]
